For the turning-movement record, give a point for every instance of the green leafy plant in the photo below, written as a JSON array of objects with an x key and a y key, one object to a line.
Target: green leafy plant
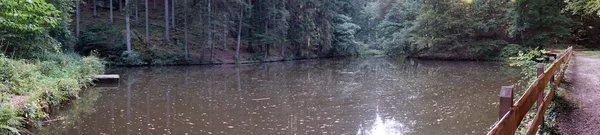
[
  {"x": 10, "y": 121},
  {"x": 511, "y": 50}
]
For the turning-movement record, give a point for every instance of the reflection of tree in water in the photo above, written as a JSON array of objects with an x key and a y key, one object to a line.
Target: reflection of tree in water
[
  {"x": 131, "y": 79},
  {"x": 69, "y": 115}
]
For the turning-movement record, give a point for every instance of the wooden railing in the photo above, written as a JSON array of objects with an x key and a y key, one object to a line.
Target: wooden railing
[{"x": 512, "y": 114}]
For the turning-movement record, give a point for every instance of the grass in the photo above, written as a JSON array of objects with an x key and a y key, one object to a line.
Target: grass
[{"x": 46, "y": 82}]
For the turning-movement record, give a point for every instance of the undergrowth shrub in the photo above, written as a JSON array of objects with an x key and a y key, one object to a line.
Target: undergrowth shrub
[
  {"x": 10, "y": 120},
  {"x": 49, "y": 81},
  {"x": 158, "y": 57},
  {"x": 129, "y": 58},
  {"x": 511, "y": 50},
  {"x": 101, "y": 37}
]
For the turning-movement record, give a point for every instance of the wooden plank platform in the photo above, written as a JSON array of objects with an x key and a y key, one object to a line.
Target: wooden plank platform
[{"x": 106, "y": 80}]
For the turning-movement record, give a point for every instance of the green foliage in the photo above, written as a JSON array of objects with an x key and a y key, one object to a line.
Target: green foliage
[
  {"x": 19, "y": 76},
  {"x": 27, "y": 16},
  {"x": 10, "y": 120},
  {"x": 48, "y": 81},
  {"x": 34, "y": 114},
  {"x": 583, "y": 6},
  {"x": 100, "y": 36},
  {"x": 61, "y": 32},
  {"x": 130, "y": 58},
  {"x": 511, "y": 50},
  {"x": 344, "y": 42},
  {"x": 450, "y": 28},
  {"x": 527, "y": 61},
  {"x": 399, "y": 26},
  {"x": 539, "y": 23},
  {"x": 157, "y": 57},
  {"x": 531, "y": 56},
  {"x": 256, "y": 57},
  {"x": 24, "y": 27}
]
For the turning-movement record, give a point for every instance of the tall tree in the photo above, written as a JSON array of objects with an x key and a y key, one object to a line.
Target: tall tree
[
  {"x": 111, "y": 11},
  {"x": 239, "y": 34},
  {"x": 166, "y": 21},
  {"x": 128, "y": 27},
  {"x": 94, "y": 7},
  {"x": 77, "y": 14},
  {"x": 136, "y": 12},
  {"x": 185, "y": 29},
  {"x": 173, "y": 14},
  {"x": 210, "y": 31},
  {"x": 120, "y": 5},
  {"x": 147, "y": 20},
  {"x": 550, "y": 25}
]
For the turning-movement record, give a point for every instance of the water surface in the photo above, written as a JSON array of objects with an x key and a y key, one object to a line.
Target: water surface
[{"x": 365, "y": 96}]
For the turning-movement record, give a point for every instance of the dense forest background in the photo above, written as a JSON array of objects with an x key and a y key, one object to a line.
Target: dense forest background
[{"x": 164, "y": 32}]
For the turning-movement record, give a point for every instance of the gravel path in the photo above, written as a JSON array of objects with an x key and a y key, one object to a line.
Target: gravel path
[{"x": 584, "y": 94}]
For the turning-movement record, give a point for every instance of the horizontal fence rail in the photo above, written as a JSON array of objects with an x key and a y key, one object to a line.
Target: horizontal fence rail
[{"x": 511, "y": 117}]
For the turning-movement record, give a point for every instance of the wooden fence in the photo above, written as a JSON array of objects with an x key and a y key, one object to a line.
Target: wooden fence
[{"x": 512, "y": 114}]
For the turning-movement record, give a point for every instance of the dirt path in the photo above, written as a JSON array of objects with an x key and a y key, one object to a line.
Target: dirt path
[{"x": 584, "y": 94}]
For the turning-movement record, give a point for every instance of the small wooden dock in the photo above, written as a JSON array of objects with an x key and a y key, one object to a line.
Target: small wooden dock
[{"x": 106, "y": 80}]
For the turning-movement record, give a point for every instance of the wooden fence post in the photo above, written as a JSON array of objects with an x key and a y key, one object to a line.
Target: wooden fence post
[
  {"x": 552, "y": 59},
  {"x": 540, "y": 71},
  {"x": 506, "y": 100}
]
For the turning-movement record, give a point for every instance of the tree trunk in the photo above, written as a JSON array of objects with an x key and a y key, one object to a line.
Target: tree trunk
[
  {"x": 267, "y": 34},
  {"x": 128, "y": 27},
  {"x": 210, "y": 32},
  {"x": 225, "y": 37},
  {"x": 95, "y": 14},
  {"x": 239, "y": 36},
  {"x": 77, "y": 12},
  {"x": 147, "y": 26},
  {"x": 166, "y": 21},
  {"x": 111, "y": 11},
  {"x": 153, "y": 4},
  {"x": 283, "y": 35},
  {"x": 137, "y": 22},
  {"x": 173, "y": 14},
  {"x": 185, "y": 29},
  {"x": 249, "y": 32},
  {"x": 120, "y": 5}
]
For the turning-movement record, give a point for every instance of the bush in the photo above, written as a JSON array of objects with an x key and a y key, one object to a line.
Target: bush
[
  {"x": 49, "y": 81},
  {"x": 158, "y": 57},
  {"x": 10, "y": 120},
  {"x": 101, "y": 37},
  {"x": 130, "y": 58},
  {"x": 511, "y": 50}
]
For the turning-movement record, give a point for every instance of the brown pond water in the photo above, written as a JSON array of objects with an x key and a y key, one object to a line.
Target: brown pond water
[{"x": 362, "y": 96}]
